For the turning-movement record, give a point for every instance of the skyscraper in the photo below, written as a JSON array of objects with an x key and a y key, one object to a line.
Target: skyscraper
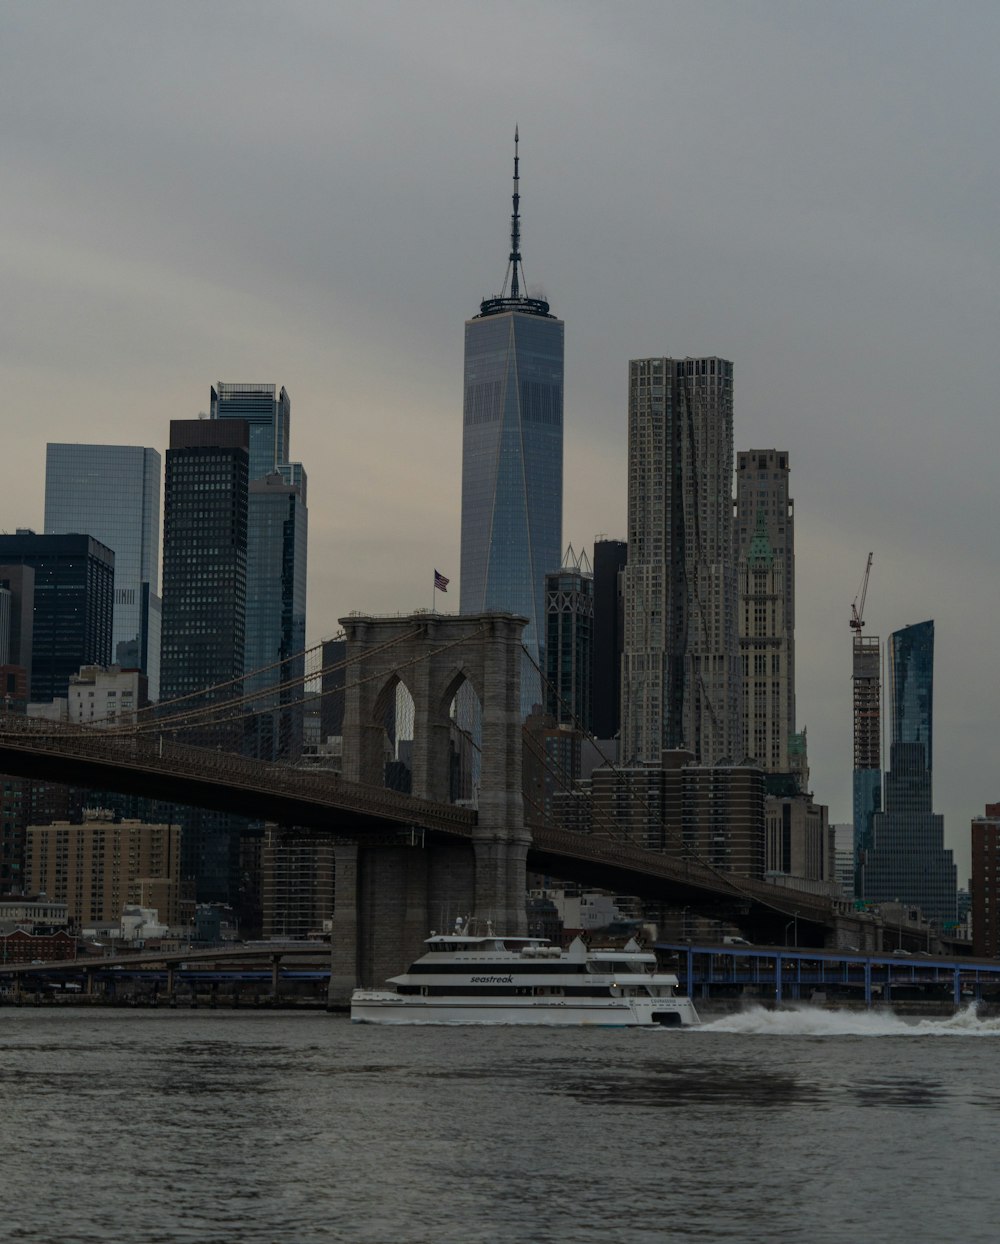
[
  {"x": 276, "y": 565},
  {"x": 569, "y": 610},
  {"x": 204, "y": 621},
  {"x": 74, "y": 601},
  {"x": 112, "y": 492},
  {"x": 907, "y": 861},
  {"x": 276, "y": 616},
  {"x": 764, "y": 535},
  {"x": 681, "y": 672},
  {"x": 610, "y": 558},
  {"x": 268, "y": 415},
  {"x": 204, "y": 559},
  {"x": 512, "y": 449}
]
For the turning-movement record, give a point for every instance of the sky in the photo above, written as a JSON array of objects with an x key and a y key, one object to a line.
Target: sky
[{"x": 316, "y": 194}]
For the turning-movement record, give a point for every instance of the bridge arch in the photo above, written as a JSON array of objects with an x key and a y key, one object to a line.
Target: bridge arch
[
  {"x": 392, "y": 726},
  {"x": 436, "y": 654}
]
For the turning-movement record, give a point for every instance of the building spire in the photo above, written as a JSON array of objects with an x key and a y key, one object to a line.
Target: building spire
[
  {"x": 514, "y": 299},
  {"x": 515, "y": 227}
]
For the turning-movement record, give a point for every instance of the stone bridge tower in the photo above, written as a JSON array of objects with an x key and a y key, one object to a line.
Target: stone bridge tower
[{"x": 389, "y": 894}]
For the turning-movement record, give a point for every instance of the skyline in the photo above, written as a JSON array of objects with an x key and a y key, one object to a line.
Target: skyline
[{"x": 802, "y": 192}]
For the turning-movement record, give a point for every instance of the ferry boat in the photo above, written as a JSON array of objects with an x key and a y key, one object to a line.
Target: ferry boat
[{"x": 464, "y": 979}]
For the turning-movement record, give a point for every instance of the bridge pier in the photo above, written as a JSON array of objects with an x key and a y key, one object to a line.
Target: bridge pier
[{"x": 388, "y": 894}]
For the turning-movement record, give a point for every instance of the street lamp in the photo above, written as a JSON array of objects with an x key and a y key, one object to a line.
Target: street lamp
[{"x": 793, "y": 923}]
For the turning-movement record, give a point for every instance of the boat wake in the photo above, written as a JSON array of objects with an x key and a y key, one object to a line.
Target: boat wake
[{"x": 811, "y": 1021}]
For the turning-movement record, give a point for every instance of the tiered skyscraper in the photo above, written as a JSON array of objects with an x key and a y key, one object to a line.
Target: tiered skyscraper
[
  {"x": 907, "y": 861},
  {"x": 112, "y": 492},
  {"x": 681, "y": 671},
  {"x": 277, "y": 534},
  {"x": 512, "y": 449}
]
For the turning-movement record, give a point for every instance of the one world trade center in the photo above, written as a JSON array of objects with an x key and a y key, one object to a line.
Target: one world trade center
[{"x": 512, "y": 451}]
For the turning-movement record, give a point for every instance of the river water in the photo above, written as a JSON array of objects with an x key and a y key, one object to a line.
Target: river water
[{"x": 153, "y": 1126}]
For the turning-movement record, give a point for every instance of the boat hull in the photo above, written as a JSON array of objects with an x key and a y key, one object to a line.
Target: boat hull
[{"x": 383, "y": 1007}]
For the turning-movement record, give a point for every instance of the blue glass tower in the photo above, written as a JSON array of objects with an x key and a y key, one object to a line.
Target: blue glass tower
[
  {"x": 512, "y": 450},
  {"x": 911, "y": 687},
  {"x": 112, "y": 492},
  {"x": 908, "y": 861}
]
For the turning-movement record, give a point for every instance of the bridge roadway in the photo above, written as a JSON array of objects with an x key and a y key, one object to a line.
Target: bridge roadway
[
  {"x": 160, "y": 768},
  {"x": 244, "y": 953}
]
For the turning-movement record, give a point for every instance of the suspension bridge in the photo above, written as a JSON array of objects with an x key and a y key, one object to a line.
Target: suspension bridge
[{"x": 400, "y": 857}]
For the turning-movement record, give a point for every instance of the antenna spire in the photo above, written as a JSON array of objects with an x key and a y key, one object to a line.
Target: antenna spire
[{"x": 515, "y": 228}]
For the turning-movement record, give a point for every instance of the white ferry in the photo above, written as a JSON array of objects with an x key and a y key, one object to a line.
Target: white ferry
[{"x": 463, "y": 979}]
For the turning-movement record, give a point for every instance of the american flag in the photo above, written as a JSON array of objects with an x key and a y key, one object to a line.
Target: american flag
[{"x": 440, "y": 582}]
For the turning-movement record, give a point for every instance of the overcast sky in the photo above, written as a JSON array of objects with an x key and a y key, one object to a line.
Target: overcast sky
[{"x": 317, "y": 195}]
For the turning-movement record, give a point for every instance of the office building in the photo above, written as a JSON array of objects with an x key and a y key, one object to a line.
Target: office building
[
  {"x": 112, "y": 492},
  {"x": 569, "y": 637},
  {"x": 512, "y": 453},
  {"x": 277, "y": 534},
  {"x": 98, "y": 867},
  {"x": 205, "y": 521},
  {"x": 17, "y": 588},
  {"x": 908, "y": 862},
  {"x": 800, "y": 842},
  {"x": 985, "y": 883},
  {"x": 681, "y": 679},
  {"x": 867, "y": 775},
  {"x": 204, "y": 560},
  {"x": 267, "y": 414},
  {"x": 764, "y": 536},
  {"x": 74, "y": 578},
  {"x": 276, "y": 617},
  {"x": 610, "y": 559}
]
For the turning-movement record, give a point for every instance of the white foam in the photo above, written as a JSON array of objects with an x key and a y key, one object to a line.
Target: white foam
[{"x": 811, "y": 1021}]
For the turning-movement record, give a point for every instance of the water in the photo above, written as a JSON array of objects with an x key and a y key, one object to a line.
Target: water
[{"x": 152, "y": 1126}]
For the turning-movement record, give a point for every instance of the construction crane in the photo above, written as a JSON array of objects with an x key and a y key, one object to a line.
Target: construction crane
[{"x": 858, "y": 610}]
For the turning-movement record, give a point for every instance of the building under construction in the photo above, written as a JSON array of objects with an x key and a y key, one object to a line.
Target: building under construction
[{"x": 867, "y": 684}]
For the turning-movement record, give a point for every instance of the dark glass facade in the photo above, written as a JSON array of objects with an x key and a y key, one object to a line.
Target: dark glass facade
[
  {"x": 112, "y": 492},
  {"x": 204, "y": 558},
  {"x": 569, "y": 605},
  {"x": 911, "y": 687},
  {"x": 74, "y": 605},
  {"x": 19, "y": 582},
  {"x": 610, "y": 559},
  {"x": 512, "y": 463}
]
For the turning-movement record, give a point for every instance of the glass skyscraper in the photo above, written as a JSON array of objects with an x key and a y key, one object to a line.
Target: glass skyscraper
[
  {"x": 277, "y": 534},
  {"x": 911, "y": 687},
  {"x": 204, "y": 560},
  {"x": 112, "y": 492},
  {"x": 74, "y": 595},
  {"x": 908, "y": 862},
  {"x": 512, "y": 451},
  {"x": 268, "y": 414},
  {"x": 276, "y": 615}
]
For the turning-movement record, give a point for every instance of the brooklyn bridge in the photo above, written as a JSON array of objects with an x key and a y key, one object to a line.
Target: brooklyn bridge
[{"x": 403, "y": 858}]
